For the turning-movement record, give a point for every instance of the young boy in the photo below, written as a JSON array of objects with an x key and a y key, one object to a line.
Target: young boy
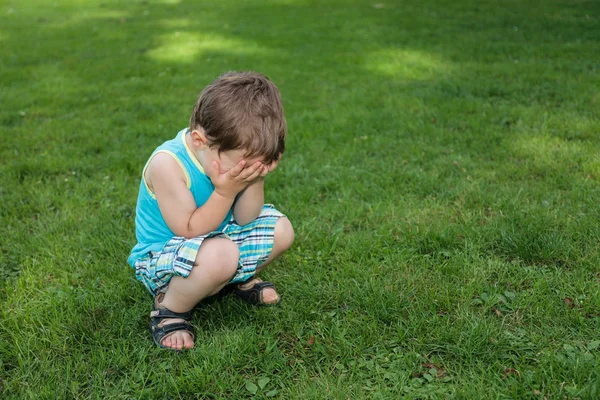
[{"x": 201, "y": 222}]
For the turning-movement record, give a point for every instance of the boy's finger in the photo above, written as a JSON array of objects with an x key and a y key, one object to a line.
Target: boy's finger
[
  {"x": 254, "y": 175},
  {"x": 250, "y": 170},
  {"x": 239, "y": 167},
  {"x": 273, "y": 165},
  {"x": 265, "y": 171}
]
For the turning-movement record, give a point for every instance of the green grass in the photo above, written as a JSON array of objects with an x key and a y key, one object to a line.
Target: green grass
[{"x": 442, "y": 175}]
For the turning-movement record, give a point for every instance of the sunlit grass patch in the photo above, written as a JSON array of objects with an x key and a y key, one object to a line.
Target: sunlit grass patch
[
  {"x": 545, "y": 150},
  {"x": 407, "y": 64},
  {"x": 191, "y": 47},
  {"x": 177, "y": 23}
]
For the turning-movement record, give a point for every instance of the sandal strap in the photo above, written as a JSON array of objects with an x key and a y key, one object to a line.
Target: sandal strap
[
  {"x": 161, "y": 313},
  {"x": 259, "y": 286},
  {"x": 253, "y": 294},
  {"x": 176, "y": 326},
  {"x": 160, "y": 332}
]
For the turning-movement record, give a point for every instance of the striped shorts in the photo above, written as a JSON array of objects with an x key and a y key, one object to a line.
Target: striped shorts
[{"x": 255, "y": 241}]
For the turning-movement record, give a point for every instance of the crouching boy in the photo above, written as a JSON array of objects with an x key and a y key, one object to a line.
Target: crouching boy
[{"x": 201, "y": 222}]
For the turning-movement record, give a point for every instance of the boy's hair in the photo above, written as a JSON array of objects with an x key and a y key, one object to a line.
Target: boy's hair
[{"x": 242, "y": 111}]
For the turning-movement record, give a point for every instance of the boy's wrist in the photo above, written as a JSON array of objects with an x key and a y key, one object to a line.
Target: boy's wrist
[
  {"x": 225, "y": 196},
  {"x": 259, "y": 180}
]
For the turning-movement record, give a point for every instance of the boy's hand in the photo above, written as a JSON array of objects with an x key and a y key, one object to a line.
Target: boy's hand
[
  {"x": 265, "y": 170},
  {"x": 271, "y": 167},
  {"x": 230, "y": 183}
]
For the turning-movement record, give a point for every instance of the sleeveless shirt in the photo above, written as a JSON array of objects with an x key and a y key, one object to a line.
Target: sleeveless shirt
[{"x": 151, "y": 230}]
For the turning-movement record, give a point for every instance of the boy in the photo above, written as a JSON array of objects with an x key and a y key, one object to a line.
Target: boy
[{"x": 201, "y": 222}]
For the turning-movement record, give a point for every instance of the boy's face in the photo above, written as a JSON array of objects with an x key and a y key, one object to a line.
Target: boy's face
[
  {"x": 226, "y": 159},
  {"x": 229, "y": 159}
]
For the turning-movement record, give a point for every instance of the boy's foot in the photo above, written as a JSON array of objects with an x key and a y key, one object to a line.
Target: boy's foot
[
  {"x": 179, "y": 339},
  {"x": 258, "y": 292},
  {"x": 170, "y": 329}
]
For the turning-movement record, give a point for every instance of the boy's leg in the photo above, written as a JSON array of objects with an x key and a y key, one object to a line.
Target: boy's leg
[
  {"x": 283, "y": 240},
  {"x": 215, "y": 264}
]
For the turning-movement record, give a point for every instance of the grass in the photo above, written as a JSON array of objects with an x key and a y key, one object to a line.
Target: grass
[{"x": 442, "y": 176}]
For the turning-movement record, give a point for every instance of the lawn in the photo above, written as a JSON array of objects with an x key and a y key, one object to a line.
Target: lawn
[{"x": 442, "y": 175}]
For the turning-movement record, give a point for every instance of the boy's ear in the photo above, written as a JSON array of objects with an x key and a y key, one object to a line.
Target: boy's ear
[{"x": 199, "y": 138}]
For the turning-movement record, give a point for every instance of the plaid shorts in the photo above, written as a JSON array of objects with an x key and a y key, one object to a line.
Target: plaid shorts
[{"x": 177, "y": 257}]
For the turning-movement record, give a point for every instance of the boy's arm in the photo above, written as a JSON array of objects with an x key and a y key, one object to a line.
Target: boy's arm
[
  {"x": 251, "y": 200},
  {"x": 177, "y": 204},
  {"x": 250, "y": 203}
]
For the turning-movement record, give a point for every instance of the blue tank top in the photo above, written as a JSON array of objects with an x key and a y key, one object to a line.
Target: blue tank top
[{"x": 151, "y": 230}]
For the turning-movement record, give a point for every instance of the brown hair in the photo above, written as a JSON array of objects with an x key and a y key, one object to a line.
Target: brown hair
[{"x": 242, "y": 110}]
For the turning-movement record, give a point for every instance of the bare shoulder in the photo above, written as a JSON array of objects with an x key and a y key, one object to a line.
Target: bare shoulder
[
  {"x": 166, "y": 179},
  {"x": 163, "y": 168}
]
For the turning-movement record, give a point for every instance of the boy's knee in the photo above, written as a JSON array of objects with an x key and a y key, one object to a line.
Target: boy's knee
[
  {"x": 284, "y": 234},
  {"x": 221, "y": 256}
]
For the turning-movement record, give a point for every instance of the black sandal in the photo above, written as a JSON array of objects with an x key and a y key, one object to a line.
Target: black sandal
[
  {"x": 253, "y": 295},
  {"x": 160, "y": 332}
]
